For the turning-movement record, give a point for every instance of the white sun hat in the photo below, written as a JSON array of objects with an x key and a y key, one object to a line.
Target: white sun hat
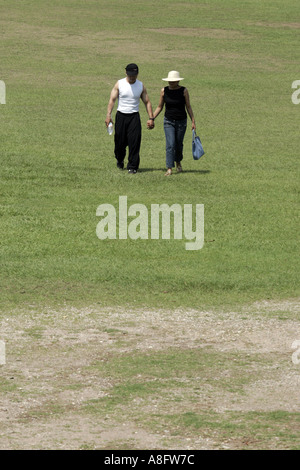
[{"x": 173, "y": 76}]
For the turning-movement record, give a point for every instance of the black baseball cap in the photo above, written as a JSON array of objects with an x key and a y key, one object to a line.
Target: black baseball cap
[{"x": 132, "y": 69}]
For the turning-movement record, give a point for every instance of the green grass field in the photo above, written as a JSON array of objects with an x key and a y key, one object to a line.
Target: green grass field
[{"x": 59, "y": 61}]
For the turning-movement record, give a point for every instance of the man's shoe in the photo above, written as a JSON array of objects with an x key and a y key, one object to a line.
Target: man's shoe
[
  {"x": 120, "y": 165},
  {"x": 131, "y": 172}
]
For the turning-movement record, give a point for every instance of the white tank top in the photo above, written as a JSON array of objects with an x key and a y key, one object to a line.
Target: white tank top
[{"x": 129, "y": 96}]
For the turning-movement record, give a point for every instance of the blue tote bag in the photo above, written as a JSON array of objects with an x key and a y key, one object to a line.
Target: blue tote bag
[{"x": 198, "y": 151}]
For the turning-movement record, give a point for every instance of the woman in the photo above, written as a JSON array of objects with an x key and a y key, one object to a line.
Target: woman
[{"x": 177, "y": 101}]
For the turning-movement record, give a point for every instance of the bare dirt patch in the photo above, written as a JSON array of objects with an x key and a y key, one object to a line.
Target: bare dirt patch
[
  {"x": 200, "y": 32},
  {"x": 292, "y": 25},
  {"x": 53, "y": 378}
]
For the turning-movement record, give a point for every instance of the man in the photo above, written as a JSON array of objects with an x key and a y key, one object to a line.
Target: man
[{"x": 128, "y": 130}]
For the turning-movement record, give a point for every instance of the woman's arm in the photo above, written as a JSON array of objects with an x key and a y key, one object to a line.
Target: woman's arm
[
  {"x": 189, "y": 108},
  {"x": 160, "y": 104}
]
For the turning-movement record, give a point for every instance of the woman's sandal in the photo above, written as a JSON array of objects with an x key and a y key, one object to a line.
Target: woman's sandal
[
  {"x": 179, "y": 168},
  {"x": 168, "y": 172}
]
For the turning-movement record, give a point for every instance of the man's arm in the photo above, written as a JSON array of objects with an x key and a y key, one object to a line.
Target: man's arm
[
  {"x": 147, "y": 102},
  {"x": 113, "y": 97}
]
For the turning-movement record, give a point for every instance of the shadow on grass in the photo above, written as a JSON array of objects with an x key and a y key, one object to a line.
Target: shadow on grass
[{"x": 144, "y": 170}]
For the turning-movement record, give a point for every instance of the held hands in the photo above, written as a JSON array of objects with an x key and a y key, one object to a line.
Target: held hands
[{"x": 150, "y": 124}]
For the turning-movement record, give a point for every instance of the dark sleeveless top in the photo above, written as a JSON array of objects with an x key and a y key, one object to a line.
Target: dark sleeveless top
[{"x": 175, "y": 104}]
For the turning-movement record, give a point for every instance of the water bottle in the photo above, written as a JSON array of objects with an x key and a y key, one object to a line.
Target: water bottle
[{"x": 110, "y": 128}]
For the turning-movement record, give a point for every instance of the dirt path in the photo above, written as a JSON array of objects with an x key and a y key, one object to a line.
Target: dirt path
[{"x": 53, "y": 377}]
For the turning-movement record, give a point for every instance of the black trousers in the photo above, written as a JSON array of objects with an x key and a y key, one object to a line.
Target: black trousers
[{"x": 128, "y": 132}]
